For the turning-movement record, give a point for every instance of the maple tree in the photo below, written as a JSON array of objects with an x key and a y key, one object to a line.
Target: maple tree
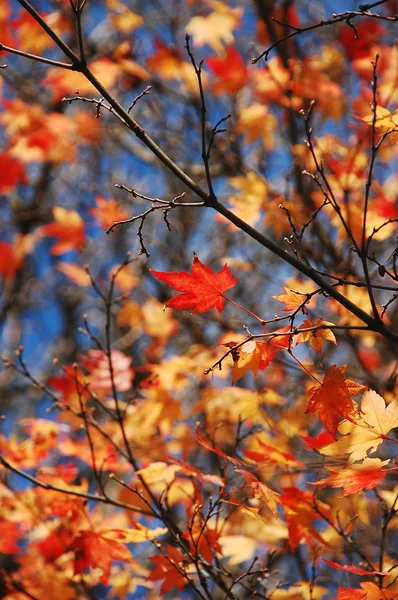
[{"x": 208, "y": 408}]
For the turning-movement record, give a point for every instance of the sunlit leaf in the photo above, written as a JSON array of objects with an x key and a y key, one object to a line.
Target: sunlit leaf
[
  {"x": 333, "y": 398},
  {"x": 202, "y": 289}
]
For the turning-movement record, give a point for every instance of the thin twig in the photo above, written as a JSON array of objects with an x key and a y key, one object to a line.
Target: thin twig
[
  {"x": 203, "y": 110},
  {"x": 55, "y": 488},
  {"x": 42, "y": 59},
  {"x": 368, "y": 187},
  {"x": 137, "y": 98}
]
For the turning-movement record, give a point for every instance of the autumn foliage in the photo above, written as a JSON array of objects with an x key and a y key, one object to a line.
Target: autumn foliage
[{"x": 198, "y": 300}]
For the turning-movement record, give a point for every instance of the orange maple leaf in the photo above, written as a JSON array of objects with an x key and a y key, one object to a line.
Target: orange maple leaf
[
  {"x": 356, "y": 477},
  {"x": 374, "y": 592},
  {"x": 299, "y": 510},
  {"x": 12, "y": 255},
  {"x": 231, "y": 71},
  {"x": 370, "y": 591},
  {"x": 63, "y": 82},
  {"x": 271, "y": 455},
  {"x": 203, "y": 541},
  {"x": 315, "y": 337},
  {"x": 202, "y": 289},
  {"x": 94, "y": 550},
  {"x": 165, "y": 61},
  {"x": 247, "y": 357},
  {"x": 257, "y": 121},
  {"x": 75, "y": 273},
  {"x": 257, "y": 356},
  {"x": 350, "y": 594},
  {"x": 292, "y": 300},
  {"x": 31, "y": 36},
  {"x": 68, "y": 227},
  {"x": 107, "y": 212},
  {"x": 332, "y": 398},
  {"x": 214, "y": 449},
  {"x": 260, "y": 491},
  {"x": 167, "y": 569},
  {"x": 385, "y": 122}
]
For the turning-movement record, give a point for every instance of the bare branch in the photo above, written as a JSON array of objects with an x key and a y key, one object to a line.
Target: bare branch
[{"x": 345, "y": 17}]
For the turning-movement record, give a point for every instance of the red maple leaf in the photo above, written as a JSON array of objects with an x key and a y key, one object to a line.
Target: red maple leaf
[
  {"x": 358, "y": 44},
  {"x": 231, "y": 72},
  {"x": 12, "y": 172},
  {"x": 313, "y": 443},
  {"x": 298, "y": 507},
  {"x": 9, "y": 536},
  {"x": 166, "y": 570},
  {"x": 7, "y": 261},
  {"x": 202, "y": 289},
  {"x": 55, "y": 544},
  {"x": 352, "y": 568}
]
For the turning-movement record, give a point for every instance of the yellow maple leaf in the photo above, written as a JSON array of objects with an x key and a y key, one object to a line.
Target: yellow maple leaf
[
  {"x": 136, "y": 536},
  {"x": 385, "y": 120},
  {"x": 123, "y": 18},
  {"x": 125, "y": 279},
  {"x": 75, "y": 273},
  {"x": 158, "y": 472},
  {"x": 316, "y": 337},
  {"x": 248, "y": 357},
  {"x": 157, "y": 322},
  {"x": 256, "y": 121},
  {"x": 228, "y": 405},
  {"x": 357, "y": 440},
  {"x": 237, "y": 548},
  {"x": 251, "y": 199},
  {"x": 292, "y": 300},
  {"x": 130, "y": 315},
  {"x": 215, "y": 29}
]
